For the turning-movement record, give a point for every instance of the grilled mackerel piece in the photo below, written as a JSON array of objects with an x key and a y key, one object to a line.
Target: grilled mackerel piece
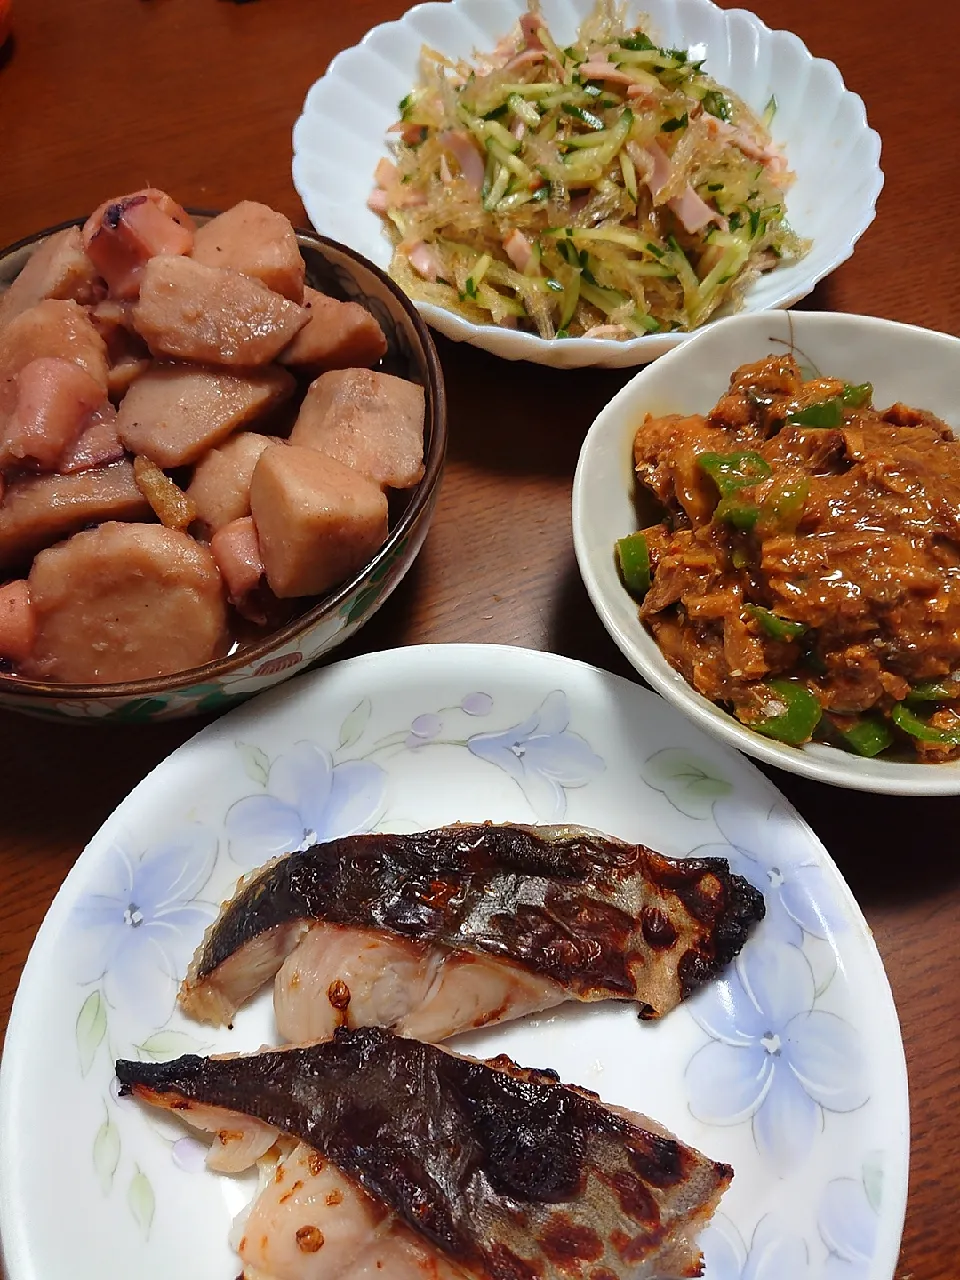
[
  {"x": 443, "y": 930},
  {"x": 499, "y": 1173}
]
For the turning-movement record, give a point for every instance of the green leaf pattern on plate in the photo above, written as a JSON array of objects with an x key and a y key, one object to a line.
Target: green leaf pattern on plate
[
  {"x": 689, "y": 783},
  {"x": 256, "y": 764},
  {"x": 873, "y": 1179},
  {"x": 91, "y": 1029},
  {"x": 351, "y": 731},
  {"x": 163, "y": 1046},
  {"x": 106, "y": 1153},
  {"x": 141, "y": 1201}
]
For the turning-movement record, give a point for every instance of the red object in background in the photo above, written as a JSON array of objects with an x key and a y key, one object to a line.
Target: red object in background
[{"x": 6, "y": 21}]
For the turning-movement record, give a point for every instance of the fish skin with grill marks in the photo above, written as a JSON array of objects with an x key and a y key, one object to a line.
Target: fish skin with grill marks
[
  {"x": 439, "y": 931},
  {"x": 504, "y": 1172}
]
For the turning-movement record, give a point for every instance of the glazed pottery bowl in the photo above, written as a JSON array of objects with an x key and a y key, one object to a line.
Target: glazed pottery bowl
[{"x": 325, "y": 622}]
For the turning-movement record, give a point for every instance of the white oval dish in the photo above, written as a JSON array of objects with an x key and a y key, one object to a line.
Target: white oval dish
[
  {"x": 790, "y": 1066},
  {"x": 916, "y": 366},
  {"x": 341, "y": 135}
]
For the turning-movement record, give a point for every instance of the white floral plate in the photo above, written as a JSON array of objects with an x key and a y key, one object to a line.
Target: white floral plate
[{"x": 791, "y": 1068}]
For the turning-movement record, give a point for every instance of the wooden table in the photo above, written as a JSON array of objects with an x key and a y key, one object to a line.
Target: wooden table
[{"x": 199, "y": 97}]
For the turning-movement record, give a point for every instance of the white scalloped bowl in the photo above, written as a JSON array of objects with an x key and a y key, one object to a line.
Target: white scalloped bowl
[
  {"x": 821, "y": 125},
  {"x": 916, "y": 366}
]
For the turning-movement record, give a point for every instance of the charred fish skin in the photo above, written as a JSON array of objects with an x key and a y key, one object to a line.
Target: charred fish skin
[
  {"x": 508, "y": 1173},
  {"x": 602, "y": 918}
]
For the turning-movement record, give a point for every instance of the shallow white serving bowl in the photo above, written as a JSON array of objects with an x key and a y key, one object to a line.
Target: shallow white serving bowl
[
  {"x": 916, "y": 366},
  {"x": 822, "y": 126}
]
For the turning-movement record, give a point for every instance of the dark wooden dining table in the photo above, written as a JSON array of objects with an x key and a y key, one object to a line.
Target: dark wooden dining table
[{"x": 199, "y": 97}]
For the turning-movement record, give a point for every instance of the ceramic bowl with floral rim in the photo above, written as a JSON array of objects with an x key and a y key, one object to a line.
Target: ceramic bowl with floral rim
[
  {"x": 915, "y": 366},
  {"x": 820, "y": 125},
  {"x": 788, "y": 1066},
  {"x": 325, "y": 622}
]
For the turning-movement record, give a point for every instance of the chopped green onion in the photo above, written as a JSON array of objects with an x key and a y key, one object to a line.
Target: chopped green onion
[
  {"x": 678, "y": 122},
  {"x": 717, "y": 104},
  {"x": 637, "y": 42},
  {"x": 904, "y": 719},
  {"x": 770, "y": 110},
  {"x": 633, "y": 557},
  {"x": 776, "y": 627}
]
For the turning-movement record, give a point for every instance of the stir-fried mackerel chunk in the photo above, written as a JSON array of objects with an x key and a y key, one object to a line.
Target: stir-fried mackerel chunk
[
  {"x": 501, "y": 1171},
  {"x": 807, "y": 572},
  {"x": 560, "y": 913}
]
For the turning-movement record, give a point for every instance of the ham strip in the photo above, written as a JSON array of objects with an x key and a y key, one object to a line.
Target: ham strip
[
  {"x": 466, "y": 155},
  {"x": 518, "y": 249},
  {"x": 605, "y": 71},
  {"x": 694, "y": 212},
  {"x": 424, "y": 260}
]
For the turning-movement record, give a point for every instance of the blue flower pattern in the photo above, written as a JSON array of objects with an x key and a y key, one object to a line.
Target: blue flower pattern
[
  {"x": 773, "y": 852},
  {"x": 308, "y": 799},
  {"x": 137, "y": 931},
  {"x": 849, "y": 1225},
  {"x": 542, "y": 755},
  {"x": 773, "y": 1059},
  {"x": 775, "y": 1252}
]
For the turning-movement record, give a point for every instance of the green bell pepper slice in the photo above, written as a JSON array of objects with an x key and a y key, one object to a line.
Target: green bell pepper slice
[
  {"x": 856, "y": 395},
  {"x": 800, "y": 716},
  {"x": 823, "y": 413},
  {"x": 742, "y": 515},
  {"x": 776, "y": 627},
  {"x": 868, "y": 736},
  {"x": 731, "y": 472},
  {"x": 945, "y": 690},
  {"x": 783, "y": 506},
  {"x": 633, "y": 556},
  {"x": 829, "y": 413},
  {"x": 904, "y": 719}
]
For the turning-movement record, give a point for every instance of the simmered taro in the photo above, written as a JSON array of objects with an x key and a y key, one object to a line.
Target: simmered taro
[
  {"x": 146, "y": 366},
  {"x": 806, "y": 573}
]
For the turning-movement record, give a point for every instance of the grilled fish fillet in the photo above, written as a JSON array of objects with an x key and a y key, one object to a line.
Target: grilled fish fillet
[
  {"x": 447, "y": 930},
  {"x": 420, "y": 1160}
]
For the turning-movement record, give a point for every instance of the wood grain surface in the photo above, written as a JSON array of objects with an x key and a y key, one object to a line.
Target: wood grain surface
[{"x": 199, "y": 97}]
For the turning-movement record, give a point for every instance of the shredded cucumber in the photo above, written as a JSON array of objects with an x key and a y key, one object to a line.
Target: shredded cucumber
[{"x": 601, "y": 179}]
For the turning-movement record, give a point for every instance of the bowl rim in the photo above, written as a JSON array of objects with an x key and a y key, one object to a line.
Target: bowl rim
[
  {"x": 183, "y": 681},
  {"x": 459, "y": 329},
  {"x": 829, "y": 765}
]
